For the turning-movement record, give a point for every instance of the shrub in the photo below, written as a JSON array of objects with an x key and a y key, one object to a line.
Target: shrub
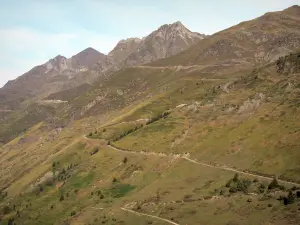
[
  {"x": 274, "y": 184},
  {"x": 290, "y": 198},
  {"x": 6, "y": 210},
  {"x": 261, "y": 188},
  {"x": 294, "y": 188},
  {"x": 10, "y": 221},
  {"x": 101, "y": 196},
  {"x": 125, "y": 160},
  {"x": 270, "y": 205},
  {"x": 255, "y": 180},
  {"x": 52, "y": 206},
  {"x": 73, "y": 213},
  {"x": 233, "y": 190},
  {"x": 235, "y": 178},
  {"x": 243, "y": 185},
  {"x": 298, "y": 194},
  {"x": 104, "y": 130},
  {"x": 61, "y": 198},
  {"x": 281, "y": 187},
  {"x": 94, "y": 151},
  {"x": 228, "y": 183},
  {"x": 114, "y": 180},
  {"x": 53, "y": 164}
]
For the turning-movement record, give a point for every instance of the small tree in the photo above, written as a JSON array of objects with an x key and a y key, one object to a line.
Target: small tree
[
  {"x": 61, "y": 198},
  {"x": 6, "y": 210},
  {"x": 274, "y": 184},
  {"x": 10, "y": 221},
  {"x": 290, "y": 198},
  {"x": 261, "y": 188},
  {"x": 235, "y": 178},
  {"x": 228, "y": 183}
]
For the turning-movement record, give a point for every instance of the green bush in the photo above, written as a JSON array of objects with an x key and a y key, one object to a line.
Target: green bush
[
  {"x": 290, "y": 199},
  {"x": 274, "y": 184},
  {"x": 235, "y": 178},
  {"x": 243, "y": 185},
  {"x": 10, "y": 221},
  {"x": 94, "y": 151},
  {"x": 233, "y": 189},
  {"x": 6, "y": 209},
  {"x": 228, "y": 184},
  {"x": 261, "y": 188},
  {"x": 61, "y": 198}
]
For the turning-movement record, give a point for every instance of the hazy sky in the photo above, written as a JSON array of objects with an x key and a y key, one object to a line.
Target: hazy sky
[{"x": 33, "y": 31}]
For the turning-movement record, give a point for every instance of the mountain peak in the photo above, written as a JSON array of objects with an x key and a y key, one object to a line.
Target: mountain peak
[
  {"x": 295, "y": 9},
  {"x": 89, "y": 50},
  {"x": 58, "y": 58},
  {"x": 133, "y": 39},
  {"x": 87, "y": 58},
  {"x": 177, "y": 24}
]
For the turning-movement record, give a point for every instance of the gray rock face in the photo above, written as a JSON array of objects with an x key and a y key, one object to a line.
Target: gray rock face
[
  {"x": 124, "y": 48},
  {"x": 166, "y": 41}
]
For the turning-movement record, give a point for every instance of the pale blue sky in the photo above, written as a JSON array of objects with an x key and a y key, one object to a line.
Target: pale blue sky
[{"x": 33, "y": 31}]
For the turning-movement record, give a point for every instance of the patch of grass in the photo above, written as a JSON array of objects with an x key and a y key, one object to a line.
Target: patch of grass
[
  {"x": 120, "y": 190},
  {"x": 82, "y": 180}
]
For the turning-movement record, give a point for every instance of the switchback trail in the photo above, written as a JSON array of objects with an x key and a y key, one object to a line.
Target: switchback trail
[
  {"x": 155, "y": 217},
  {"x": 202, "y": 164}
]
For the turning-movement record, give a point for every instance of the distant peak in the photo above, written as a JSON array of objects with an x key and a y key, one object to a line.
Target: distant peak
[
  {"x": 295, "y": 9},
  {"x": 129, "y": 40},
  {"x": 90, "y": 49},
  {"x": 175, "y": 25},
  {"x": 178, "y": 23},
  {"x": 58, "y": 58}
]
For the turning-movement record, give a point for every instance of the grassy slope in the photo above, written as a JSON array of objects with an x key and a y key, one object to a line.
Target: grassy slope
[{"x": 262, "y": 139}]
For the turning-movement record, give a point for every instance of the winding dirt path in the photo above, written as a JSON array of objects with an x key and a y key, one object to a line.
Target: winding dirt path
[
  {"x": 144, "y": 214},
  {"x": 203, "y": 164}
]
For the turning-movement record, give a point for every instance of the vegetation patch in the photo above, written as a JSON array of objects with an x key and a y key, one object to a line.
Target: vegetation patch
[{"x": 120, "y": 190}]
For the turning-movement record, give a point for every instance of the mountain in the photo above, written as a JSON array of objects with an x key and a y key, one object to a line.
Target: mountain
[
  {"x": 261, "y": 40},
  {"x": 60, "y": 73},
  {"x": 87, "y": 58},
  {"x": 121, "y": 149},
  {"x": 48, "y": 77},
  {"x": 124, "y": 48},
  {"x": 164, "y": 42}
]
